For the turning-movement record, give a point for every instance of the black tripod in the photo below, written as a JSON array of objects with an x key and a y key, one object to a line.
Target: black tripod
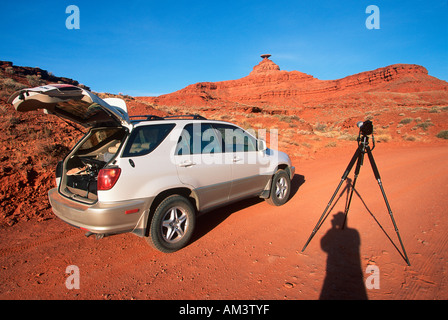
[{"x": 363, "y": 147}]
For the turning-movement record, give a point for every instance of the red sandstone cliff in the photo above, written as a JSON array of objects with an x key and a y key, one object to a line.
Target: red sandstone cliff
[{"x": 268, "y": 85}]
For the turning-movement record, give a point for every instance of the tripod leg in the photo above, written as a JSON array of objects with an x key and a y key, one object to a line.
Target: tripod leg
[
  {"x": 323, "y": 216},
  {"x": 358, "y": 168},
  {"x": 378, "y": 178}
]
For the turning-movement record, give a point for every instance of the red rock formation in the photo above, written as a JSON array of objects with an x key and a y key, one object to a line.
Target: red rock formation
[
  {"x": 268, "y": 85},
  {"x": 20, "y": 73},
  {"x": 265, "y": 66}
]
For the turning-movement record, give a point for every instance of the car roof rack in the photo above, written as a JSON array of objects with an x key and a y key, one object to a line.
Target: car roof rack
[
  {"x": 147, "y": 117},
  {"x": 192, "y": 116},
  {"x": 150, "y": 117}
]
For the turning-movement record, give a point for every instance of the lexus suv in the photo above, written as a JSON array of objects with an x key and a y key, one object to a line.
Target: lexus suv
[{"x": 149, "y": 175}]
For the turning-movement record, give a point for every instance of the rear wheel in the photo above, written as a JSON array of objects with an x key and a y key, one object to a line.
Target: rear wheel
[
  {"x": 172, "y": 224},
  {"x": 280, "y": 188}
]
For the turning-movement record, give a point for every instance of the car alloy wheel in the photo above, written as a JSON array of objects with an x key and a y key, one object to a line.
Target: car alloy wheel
[
  {"x": 280, "y": 188},
  {"x": 174, "y": 224}
]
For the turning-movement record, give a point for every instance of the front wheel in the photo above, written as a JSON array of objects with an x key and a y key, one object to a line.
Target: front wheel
[
  {"x": 172, "y": 224},
  {"x": 280, "y": 188}
]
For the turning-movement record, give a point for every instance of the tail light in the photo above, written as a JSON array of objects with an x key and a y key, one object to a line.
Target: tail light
[{"x": 107, "y": 178}]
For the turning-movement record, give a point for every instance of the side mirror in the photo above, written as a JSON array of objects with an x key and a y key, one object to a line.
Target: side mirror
[{"x": 261, "y": 145}]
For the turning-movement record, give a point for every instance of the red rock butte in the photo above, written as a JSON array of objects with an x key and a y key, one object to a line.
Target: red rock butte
[
  {"x": 265, "y": 66},
  {"x": 268, "y": 85}
]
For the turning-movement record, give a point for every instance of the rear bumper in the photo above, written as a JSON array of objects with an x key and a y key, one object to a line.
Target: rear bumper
[{"x": 102, "y": 218}]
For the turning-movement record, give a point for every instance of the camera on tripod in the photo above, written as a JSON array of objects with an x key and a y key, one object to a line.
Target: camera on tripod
[{"x": 365, "y": 127}]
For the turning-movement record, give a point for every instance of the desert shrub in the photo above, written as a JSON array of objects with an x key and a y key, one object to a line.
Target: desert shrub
[
  {"x": 384, "y": 137},
  {"x": 9, "y": 70},
  {"x": 320, "y": 127},
  {"x": 424, "y": 125},
  {"x": 409, "y": 138},
  {"x": 225, "y": 117},
  {"x": 434, "y": 110},
  {"x": 283, "y": 118},
  {"x": 307, "y": 145},
  {"x": 34, "y": 80},
  {"x": 406, "y": 120},
  {"x": 10, "y": 85},
  {"x": 442, "y": 134},
  {"x": 348, "y": 137}
]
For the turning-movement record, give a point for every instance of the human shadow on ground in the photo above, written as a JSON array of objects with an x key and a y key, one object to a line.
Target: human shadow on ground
[
  {"x": 344, "y": 279},
  {"x": 210, "y": 220}
]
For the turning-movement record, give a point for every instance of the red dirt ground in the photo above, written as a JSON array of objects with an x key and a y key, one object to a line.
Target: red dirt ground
[{"x": 251, "y": 250}]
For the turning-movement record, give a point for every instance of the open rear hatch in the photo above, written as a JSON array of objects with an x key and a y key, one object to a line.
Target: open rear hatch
[
  {"x": 77, "y": 175},
  {"x": 72, "y": 103}
]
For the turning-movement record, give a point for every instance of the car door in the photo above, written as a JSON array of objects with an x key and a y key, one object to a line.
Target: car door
[
  {"x": 241, "y": 149},
  {"x": 201, "y": 164}
]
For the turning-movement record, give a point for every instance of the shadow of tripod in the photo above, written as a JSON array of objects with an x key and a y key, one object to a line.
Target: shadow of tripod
[{"x": 358, "y": 157}]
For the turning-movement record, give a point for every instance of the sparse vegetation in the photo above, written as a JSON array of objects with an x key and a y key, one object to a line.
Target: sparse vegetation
[
  {"x": 383, "y": 138},
  {"x": 34, "y": 80},
  {"x": 406, "y": 120},
  {"x": 10, "y": 85},
  {"x": 434, "y": 110},
  {"x": 442, "y": 134},
  {"x": 348, "y": 137},
  {"x": 320, "y": 127},
  {"x": 424, "y": 125},
  {"x": 409, "y": 137}
]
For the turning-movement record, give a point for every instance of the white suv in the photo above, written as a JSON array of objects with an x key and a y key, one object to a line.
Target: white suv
[{"x": 150, "y": 175}]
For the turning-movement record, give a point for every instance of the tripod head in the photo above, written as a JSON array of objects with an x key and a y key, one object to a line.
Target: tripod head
[{"x": 365, "y": 130}]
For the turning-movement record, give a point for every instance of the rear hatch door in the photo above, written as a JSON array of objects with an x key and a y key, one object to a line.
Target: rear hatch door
[{"x": 72, "y": 103}]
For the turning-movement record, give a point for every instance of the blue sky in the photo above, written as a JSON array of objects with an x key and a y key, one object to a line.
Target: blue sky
[{"x": 157, "y": 47}]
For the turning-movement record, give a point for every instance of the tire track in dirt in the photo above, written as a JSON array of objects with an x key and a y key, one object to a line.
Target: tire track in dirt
[
  {"x": 422, "y": 270},
  {"x": 33, "y": 244},
  {"x": 422, "y": 277}
]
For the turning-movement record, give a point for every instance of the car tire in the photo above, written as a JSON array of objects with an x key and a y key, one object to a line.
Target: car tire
[
  {"x": 280, "y": 188},
  {"x": 172, "y": 224}
]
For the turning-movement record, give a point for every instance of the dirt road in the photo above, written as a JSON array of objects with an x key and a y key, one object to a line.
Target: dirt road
[{"x": 253, "y": 251}]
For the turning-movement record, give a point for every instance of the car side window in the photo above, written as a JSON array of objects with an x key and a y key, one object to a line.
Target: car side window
[
  {"x": 146, "y": 139},
  {"x": 198, "y": 138},
  {"x": 235, "y": 139}
]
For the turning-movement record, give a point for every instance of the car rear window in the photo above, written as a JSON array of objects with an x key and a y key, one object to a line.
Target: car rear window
[{"x": 146, "y": 139}]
